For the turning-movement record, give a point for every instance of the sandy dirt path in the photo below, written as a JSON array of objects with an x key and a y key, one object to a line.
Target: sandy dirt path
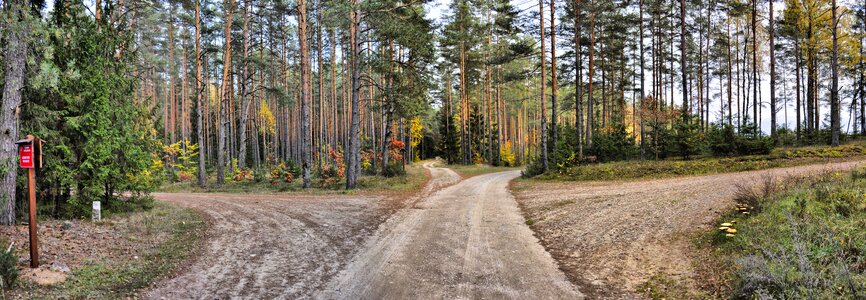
[
  {"x": 609, "y": 237},
  {"x": 466, "y": 241},
  {"x": 272, "y": 246}
]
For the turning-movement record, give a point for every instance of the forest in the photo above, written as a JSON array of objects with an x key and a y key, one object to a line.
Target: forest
[
  {"x": 134, "y": 94},
  {"x": 137, "y": 96}
]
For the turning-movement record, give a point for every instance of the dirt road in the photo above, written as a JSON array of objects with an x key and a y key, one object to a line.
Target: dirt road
[
  {"x": 610, "y": 237},
  {"x": 264, "y": 246},
  {"x": 466, "y": 241}
]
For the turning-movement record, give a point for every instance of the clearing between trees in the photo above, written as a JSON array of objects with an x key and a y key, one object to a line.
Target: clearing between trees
[
  {"x": 461, "y": 238},
  {"x": 279, "y": 246},
  {"x": 613, "y": 237}
]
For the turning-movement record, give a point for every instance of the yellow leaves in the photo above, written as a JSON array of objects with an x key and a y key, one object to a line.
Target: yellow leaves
[
  {"x": 416, "y": 132},
  {"x": 506, "y": 154},
  {"x": 269, "y": 123}
]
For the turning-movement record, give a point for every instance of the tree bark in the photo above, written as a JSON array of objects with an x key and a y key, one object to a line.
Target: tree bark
[
  {"x": 226, "y": 94},
  {"x": 354, "y": 161},
  {"x": 590, "y": 111},
  {"x": 578, "y": 96},
  {"x": 553, "y": 114},
  {"x": 15, "y": 50},
  {"x": 202, "y": 176},
  {"x": 245, "y": 102},
  {"x": 685, "y": 84},
  {"x": 834, "y": 89},
  {"x": 306, "y": 155},
  {"x": 543, "y": 96},
  {"x": 772, "y": 74}
]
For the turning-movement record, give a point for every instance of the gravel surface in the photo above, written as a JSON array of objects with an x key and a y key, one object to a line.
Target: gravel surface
[
  {"x": 465, "y": 241},
  {"x": 265, "y": 246},
  {"x": 609, "y": 237}
]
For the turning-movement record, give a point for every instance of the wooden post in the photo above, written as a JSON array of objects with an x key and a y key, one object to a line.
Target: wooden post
[
  {"x": 29, "y": 150},
  {"x": 34, "y": 241}
]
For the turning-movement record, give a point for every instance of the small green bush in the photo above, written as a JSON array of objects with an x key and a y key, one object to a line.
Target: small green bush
[
  {"x": 687, "y": 140},
  {"x": 613, "y": 143},
  {"x": 8, "y": 265},
  {"x": 724, "y": 141},
  {"x": 394, "y": 170}
]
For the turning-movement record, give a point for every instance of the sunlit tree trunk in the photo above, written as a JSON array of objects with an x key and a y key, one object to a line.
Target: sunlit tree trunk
[
  {"x": 226, "y": 93},
  {"x": 202, "y": 176},
  {"x": 353, "y": 163},
  {"x": 306, "y": 155}
]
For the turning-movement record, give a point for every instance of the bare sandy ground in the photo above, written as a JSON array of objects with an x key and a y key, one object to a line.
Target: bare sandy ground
[
  {"x": 609, "y": 237},
  {"x": 265, "y": 246},
  {"x": 466, "y": 241}
]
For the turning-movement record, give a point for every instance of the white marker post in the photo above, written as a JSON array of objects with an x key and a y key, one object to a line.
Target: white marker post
[{"x": 97, "y": 211}]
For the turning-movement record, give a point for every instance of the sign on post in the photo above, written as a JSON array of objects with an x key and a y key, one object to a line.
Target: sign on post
[
  {"x": 25, "y": 155},
  {"x": 27, "y": 149}
]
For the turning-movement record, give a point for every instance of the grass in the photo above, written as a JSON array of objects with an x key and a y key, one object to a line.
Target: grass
[
  {"x": 783, "y": 157},
  {"x": 109, "y": 277},
  {"x": 414, "y": 179},
  {"x": 479, "y": 169},
  {"x": 663, "y": 286},
  {"x": 807, "y": 241}
]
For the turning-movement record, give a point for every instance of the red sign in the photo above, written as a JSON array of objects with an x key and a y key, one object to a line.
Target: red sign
[{"x": 25, "y": 156}]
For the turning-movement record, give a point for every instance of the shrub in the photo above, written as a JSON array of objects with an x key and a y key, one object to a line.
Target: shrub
[
  {"x": 282, "y": 173},
  {"x": 8, "y": 265},
  {"x": 612, "y": 143},
  {"x": 785, "y": 136},
  {"x": 563, "y": 155},
  {"x": 687, "y": 139},
  {"x": 367, "y": 160},
  {"x": 507, "y": 156},
  {"x": 394, "y": 170},
  {"x": 724, "y": 141},
  {"x": 534, "y": 168}
]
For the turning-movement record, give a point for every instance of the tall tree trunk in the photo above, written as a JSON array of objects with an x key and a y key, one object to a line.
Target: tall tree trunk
[
  {"x": 202, "y": 176},
  {"x": 488, "y": 127},
  {"x": 553, "y": 106},
  {"x": 685, "y": 84},
  {"x": 755, "y": 117},
  {"x": 319, "y": 142},
  {"x": 590, "y": 110},
  {"x": 835, "y": 123},
  {"x": 772, "y": 74},
  {"x": 306, "y": 155},
  {"x": 15, "y": 50},
  {"x": 642, "y": 63},
  {"x": 354, "y": 161},
  {"x": 730, "y": 77},
  {"x": 578, "y": 95},
  {"x": 798, "y": 86},
  {"x": 860, "y": 90},
  {"x": 226, "y": 95},
  {"x": 245, "y": 101},
  {"x": 543, "y": 96},
  {"x": 172, "y": 101}
]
